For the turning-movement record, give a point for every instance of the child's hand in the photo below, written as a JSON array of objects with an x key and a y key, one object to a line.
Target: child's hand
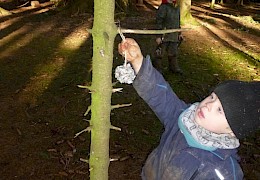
[
  {"x": 130, "y": 49},
  {"x": 132, "y": 52}
]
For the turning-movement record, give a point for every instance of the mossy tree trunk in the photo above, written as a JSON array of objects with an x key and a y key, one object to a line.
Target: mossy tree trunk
[
  {"x": 240, "y": 2},
  {"x": 185, "y": 6},
  {"x": 4, "y": 12},
  {"x": 212, "y": 4},
  {"x": 104, "y": 31}
]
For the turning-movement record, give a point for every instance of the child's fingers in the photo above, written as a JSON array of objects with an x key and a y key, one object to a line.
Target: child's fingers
[
  {"x": 122, "y": 47},
  {"x": 131, "y": 42},
  {"x": 133, "y": 51}
]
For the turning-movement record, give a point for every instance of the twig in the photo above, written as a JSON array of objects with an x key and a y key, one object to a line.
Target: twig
[
  {"x": 84, "y": 130},
  {"x": 86, "y": 87},
  {"x": 115, "y": 128},
  {"x": 89, "y": 108},
  {"x": 138, "y": 31},
  {"x": 84, "y": 160},
  {"x": 117, "y": 90},
  {"x": 120, "y": 105}
]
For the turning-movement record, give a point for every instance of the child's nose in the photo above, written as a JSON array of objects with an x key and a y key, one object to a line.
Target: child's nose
[{"x": 209, "y": 105}]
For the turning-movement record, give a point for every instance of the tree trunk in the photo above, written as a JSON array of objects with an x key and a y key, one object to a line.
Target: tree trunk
[
  {"x": 185, "y": 6},
  {"x": 4, "y": 12},
  {"x": 140, "y": 3},
  {"x": 104, "y": 31},
  {"x": 212, "y": 4},
  {"x": 240, "y": 2}
]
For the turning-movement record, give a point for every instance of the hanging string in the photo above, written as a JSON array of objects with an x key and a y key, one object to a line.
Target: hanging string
[
  {"x": 123, "y": 39},
  {"x": 121, "y": 34},
  {"x": 125, "y": 72}
]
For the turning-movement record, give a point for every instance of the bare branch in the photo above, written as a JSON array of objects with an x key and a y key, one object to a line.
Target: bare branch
[
  {"x": 84, "y": 160},
  {"x": 86, "y": 120},
  {"x": 86, "y": 87},
  {"x": 137, "y": 31},
  {"x": 117, "y": 90},
  {"x": 114, "y": 83},
  {"x": 89, "y": 108},
  {"x": 115, "y": 128},
  {"x": 120, "y": 105},
  {"x": 84, "y": 130}
]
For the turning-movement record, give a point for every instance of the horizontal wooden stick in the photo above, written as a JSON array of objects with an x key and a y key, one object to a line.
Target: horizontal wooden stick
[{"x": 146, "y": 31}]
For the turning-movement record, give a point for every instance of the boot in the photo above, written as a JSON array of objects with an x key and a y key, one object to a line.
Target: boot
[{"x": 173, "y": 65}]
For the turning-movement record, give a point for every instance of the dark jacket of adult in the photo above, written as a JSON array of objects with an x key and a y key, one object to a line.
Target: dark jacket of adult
[{"x": 168, "y": 17}]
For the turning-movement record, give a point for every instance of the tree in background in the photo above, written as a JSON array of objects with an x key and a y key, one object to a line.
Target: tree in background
[
  {"x": 212, "y": 4},
  {"x": 185, "y": 7}
]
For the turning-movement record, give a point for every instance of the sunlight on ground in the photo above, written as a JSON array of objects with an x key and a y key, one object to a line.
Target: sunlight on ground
[
  {"x": 23, "y": 37},
  {"x": 9, "y": 39},
  {"x": 74, "y": 40},
  {"x": 39, "y": 83},
  {"x": 44, "y": 72},
  {"x": 220, "y": 23},
  {"x": 47, "y": 72},
  {"x": 9, "y": 22}
]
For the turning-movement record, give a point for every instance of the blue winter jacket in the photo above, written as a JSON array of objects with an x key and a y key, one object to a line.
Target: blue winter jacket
[{"x": 174, "y": 159}]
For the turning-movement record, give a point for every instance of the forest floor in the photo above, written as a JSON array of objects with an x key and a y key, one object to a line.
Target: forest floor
[{"x": 44, "y": 55}]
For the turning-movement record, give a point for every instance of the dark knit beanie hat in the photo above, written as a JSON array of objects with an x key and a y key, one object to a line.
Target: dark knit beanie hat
[{"x": 241, "y": 104}]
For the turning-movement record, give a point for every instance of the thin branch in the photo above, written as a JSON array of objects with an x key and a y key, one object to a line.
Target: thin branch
[
  {"x": 115, "y": 128},
  {"x": 89, "y": 108},
  {"x": 88, "y": 129},
  {"x": 117, "y": 90},
  {"x": 120, "y": 105},
  {"x": 114, "y": 83},
  {"x": 138, "y": 31},
  {"x": 84, "y": 160},
  {"x": 86, "y": 120},
  {"x": 86, "y": 87}
]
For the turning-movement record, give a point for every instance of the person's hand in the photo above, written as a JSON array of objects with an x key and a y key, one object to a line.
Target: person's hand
[
  {"x": 158, "y": 40},
  {"x": 132, "y": 52},
  {"x": 180, "y": 37},
  {"x": 130, "y": 49}
]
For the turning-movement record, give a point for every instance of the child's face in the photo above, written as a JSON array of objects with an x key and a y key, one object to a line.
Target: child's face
[{"x": 210, "y": 115}]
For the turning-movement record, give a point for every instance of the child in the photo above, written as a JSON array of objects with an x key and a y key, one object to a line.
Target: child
[
  {"x": 168, "y": 17},
  {"x": 200, "y": 140}
]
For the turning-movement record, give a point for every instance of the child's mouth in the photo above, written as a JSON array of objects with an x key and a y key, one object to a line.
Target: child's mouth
[{"x": 201, "y": 114}]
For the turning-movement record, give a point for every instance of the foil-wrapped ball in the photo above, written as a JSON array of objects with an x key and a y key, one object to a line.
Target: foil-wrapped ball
[{"x": 125, "y": 74}]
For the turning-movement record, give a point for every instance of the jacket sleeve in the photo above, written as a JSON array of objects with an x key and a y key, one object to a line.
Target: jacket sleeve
[{"x": 157, "y": 93}]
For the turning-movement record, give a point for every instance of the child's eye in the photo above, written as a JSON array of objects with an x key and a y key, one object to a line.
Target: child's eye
[{"x": 220, "y": 109}]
